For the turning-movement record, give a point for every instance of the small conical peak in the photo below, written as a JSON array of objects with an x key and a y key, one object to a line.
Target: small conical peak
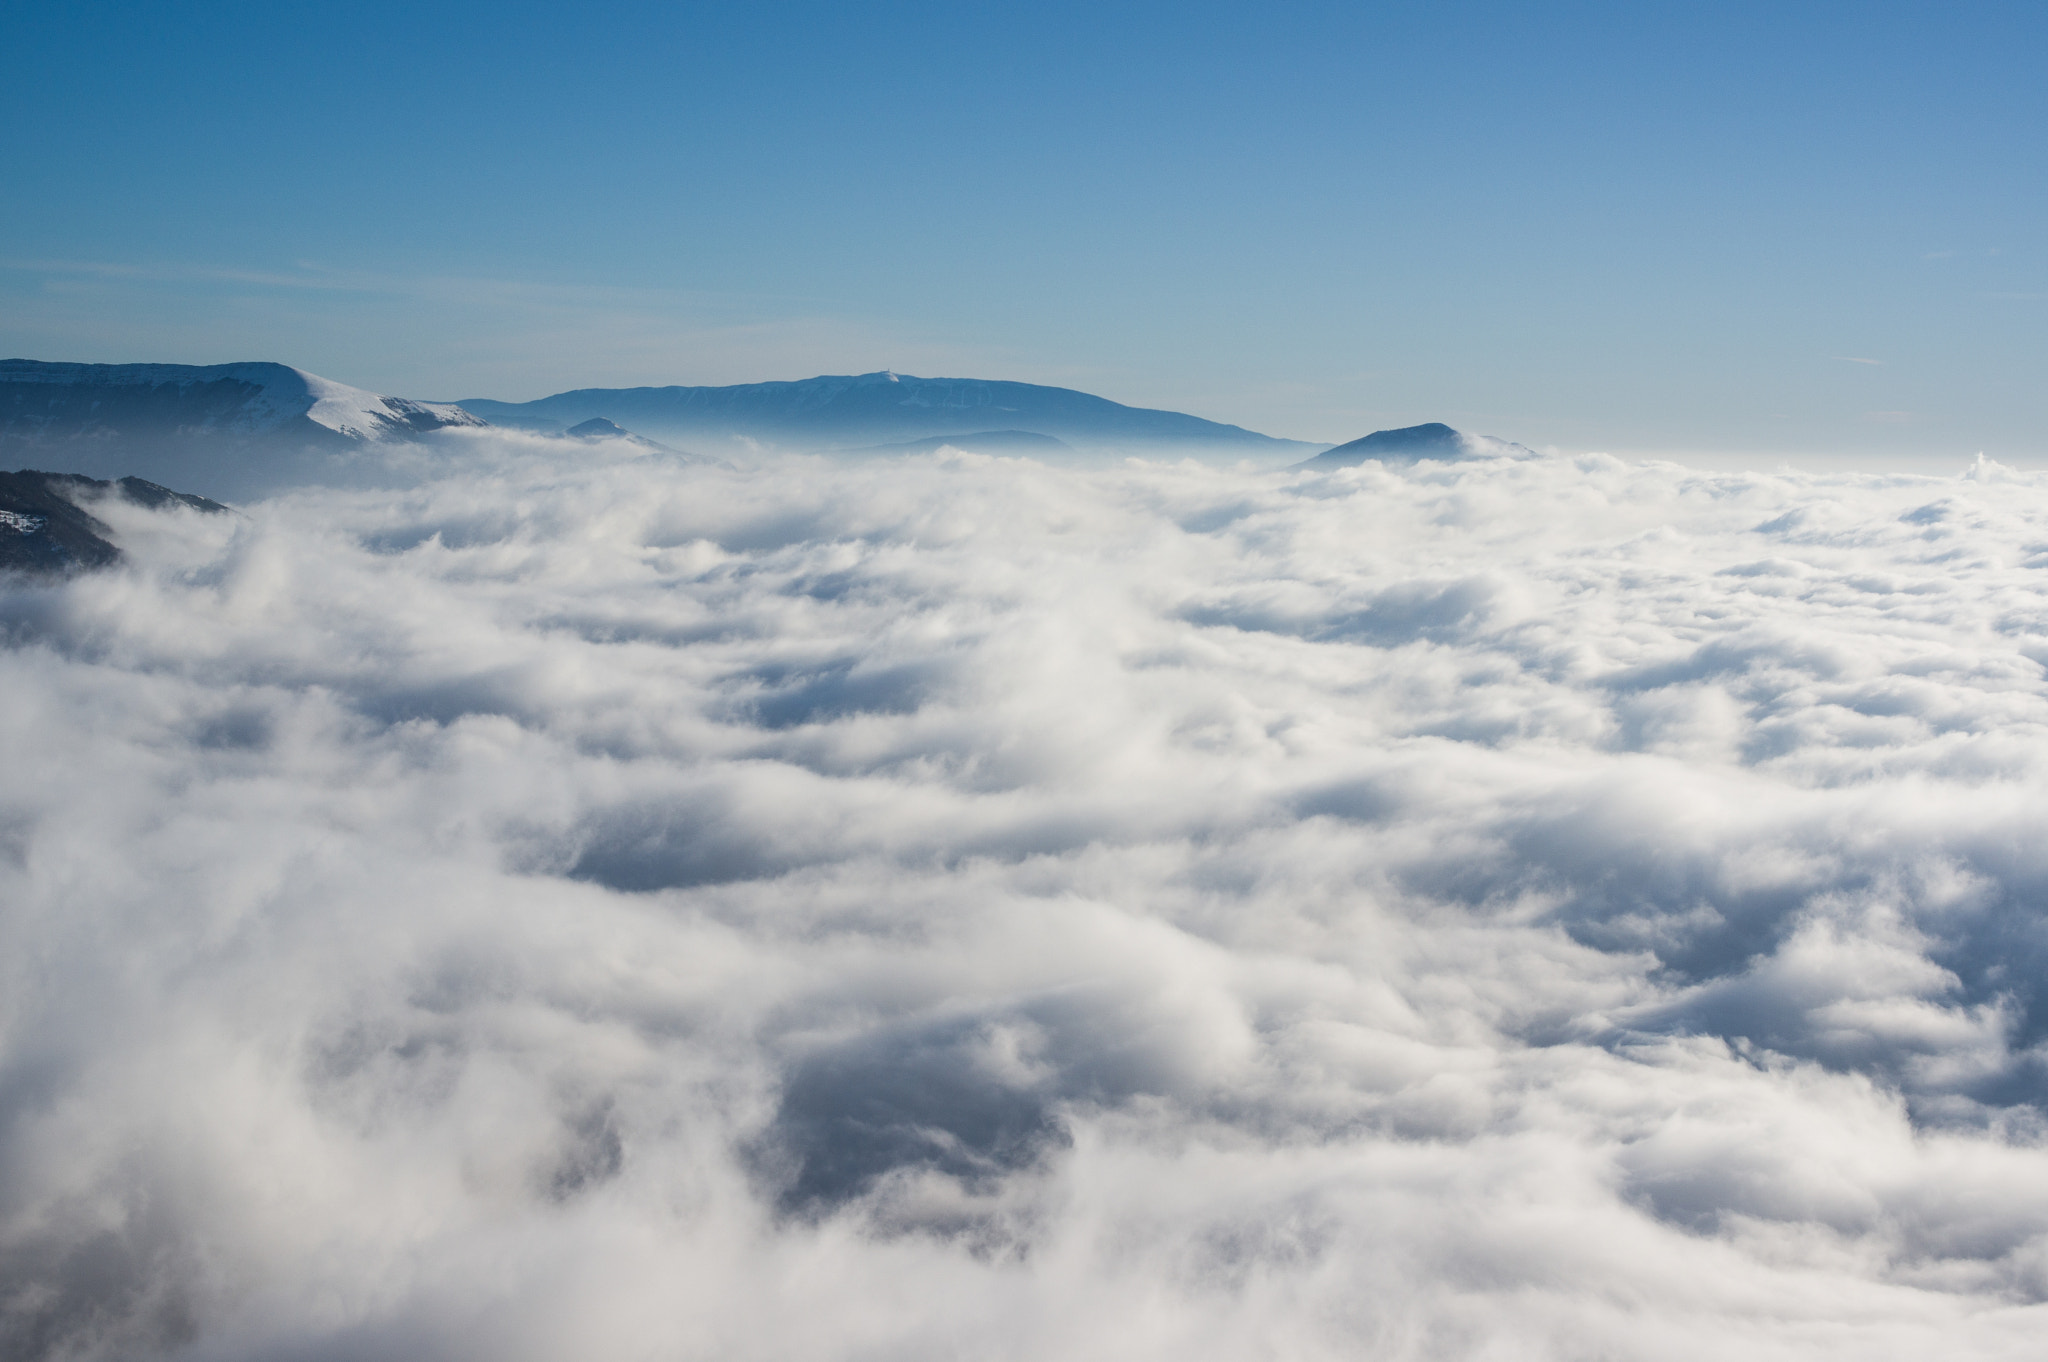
[{"x": 1432, "y": 440}]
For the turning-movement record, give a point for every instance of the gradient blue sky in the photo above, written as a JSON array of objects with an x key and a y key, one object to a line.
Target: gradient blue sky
[{"x": 1782, "y": 229}]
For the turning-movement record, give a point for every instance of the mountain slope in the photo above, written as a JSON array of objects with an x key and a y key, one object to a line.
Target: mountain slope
[
  {"x": 231, "y": 429},
  {"x": 861, "y": 411},
  {"x": 45, "y": 526}
]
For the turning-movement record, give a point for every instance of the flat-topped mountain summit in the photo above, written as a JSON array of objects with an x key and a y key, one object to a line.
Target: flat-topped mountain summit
[
  {"x": 1411, "y": 444},
  {"x": 864, "y": 411}
]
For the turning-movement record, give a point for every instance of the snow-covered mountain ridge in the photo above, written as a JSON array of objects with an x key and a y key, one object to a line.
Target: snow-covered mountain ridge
[
  {"x": 226, "y": 429},
  {"x": 247, "y": 398}
]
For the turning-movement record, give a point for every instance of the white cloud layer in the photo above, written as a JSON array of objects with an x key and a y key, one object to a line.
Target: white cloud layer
[{"x": 959, "y": 908}]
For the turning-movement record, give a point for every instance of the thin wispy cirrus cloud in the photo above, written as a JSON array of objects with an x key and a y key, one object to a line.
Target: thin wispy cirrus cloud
[
  {"x": 471, "y": 336},
  {"x": 461, "y": 336},
  {"x": 451, "y": 336},
  {"x": 589, "y": 905}
]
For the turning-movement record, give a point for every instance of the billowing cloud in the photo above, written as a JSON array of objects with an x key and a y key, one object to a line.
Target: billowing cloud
[{"x": 957, "y": 907}]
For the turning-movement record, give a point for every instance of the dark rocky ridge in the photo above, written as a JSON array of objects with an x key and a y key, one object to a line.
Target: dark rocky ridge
[{"x": 45, "y": 529}]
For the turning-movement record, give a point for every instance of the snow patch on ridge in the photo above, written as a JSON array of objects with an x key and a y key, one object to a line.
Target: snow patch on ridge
[{"x": 370, "y": 416}]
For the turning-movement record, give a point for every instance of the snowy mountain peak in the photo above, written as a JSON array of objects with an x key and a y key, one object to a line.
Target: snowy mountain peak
[
  {"x": 244, "y": 398},
  {"x": 365, "y": 415}
]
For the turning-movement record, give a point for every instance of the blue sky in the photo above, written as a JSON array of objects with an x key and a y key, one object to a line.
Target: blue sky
[{"x": 1784, "y": 229}]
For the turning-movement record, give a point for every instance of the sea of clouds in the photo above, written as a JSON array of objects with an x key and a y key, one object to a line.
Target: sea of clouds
[{"x": 607, "y": 909}]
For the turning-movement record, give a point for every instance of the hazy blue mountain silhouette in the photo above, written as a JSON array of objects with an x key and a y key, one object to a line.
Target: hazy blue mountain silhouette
[{"x": 865, "y": 410}]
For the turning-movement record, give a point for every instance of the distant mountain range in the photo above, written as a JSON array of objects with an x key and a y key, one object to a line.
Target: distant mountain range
[
  {"x": 869, "y": 412},
  {"x": 231, "y": 430},
  {"x": 236, "y": 431}
]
